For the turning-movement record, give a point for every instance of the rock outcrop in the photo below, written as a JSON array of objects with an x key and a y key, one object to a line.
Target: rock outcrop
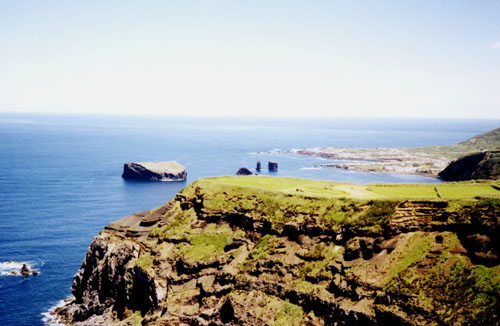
[
  {"x": 217, "y": 255},
  {"x": 25, "y": 270},
  {"x": 258, "y": 167},
  {"x": 272, "y": 166},
  {"x": 244, "y": 171},
  {"x": 484, "y": 165},
  {"x": 156, "y": 171}
]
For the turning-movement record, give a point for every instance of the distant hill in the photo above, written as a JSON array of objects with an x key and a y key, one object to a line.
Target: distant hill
[
  {"x": 488, "y": 141},
  {"x": 484, "y": 165}
]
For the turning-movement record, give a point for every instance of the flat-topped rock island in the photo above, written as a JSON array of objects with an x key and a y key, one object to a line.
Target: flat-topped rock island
[{"x": 155, "y": 171}]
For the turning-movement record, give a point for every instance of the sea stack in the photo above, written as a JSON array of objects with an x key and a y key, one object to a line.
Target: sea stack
[
  {"x": 25, "y": 270},
  {"x": 244, "y": 171},
  {"x": 156, "y": 171},
  {"x": 272, "y": 166},
  {"x": 258, "y": 166}
]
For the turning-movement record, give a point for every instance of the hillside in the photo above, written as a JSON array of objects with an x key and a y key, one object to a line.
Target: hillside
[
  {"x": 483, "y": 165},
  {"x": 429, "y": 160},
  {"x": 488, "y": 141},
  {"x": 278, "y": 251}
]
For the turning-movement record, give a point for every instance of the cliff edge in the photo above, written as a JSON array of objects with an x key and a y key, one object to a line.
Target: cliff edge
[{"x": 278, "y": 251}]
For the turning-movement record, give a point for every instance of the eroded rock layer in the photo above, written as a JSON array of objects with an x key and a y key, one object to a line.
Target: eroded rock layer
[{"x": 222, "y": 255}]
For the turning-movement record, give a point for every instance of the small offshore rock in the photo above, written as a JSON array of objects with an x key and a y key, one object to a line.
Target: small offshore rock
[
  {"x": 25, "y": 270},
  {"x": 244, "y": 171},
  {"x": 258, "y": 166},
  {"x": 156, "y": 171},
  {"x": 272, "y": 166}
]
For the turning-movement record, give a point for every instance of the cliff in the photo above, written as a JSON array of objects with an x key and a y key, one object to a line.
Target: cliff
[
  {"x": 484, "y": 165},
  {"x": 277, "y": 251}
]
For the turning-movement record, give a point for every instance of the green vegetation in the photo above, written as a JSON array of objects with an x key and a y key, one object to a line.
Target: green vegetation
[
  {"x": 206, "y": 245},
  {"x": 487, "y": 141},
  {"x": 145, "y": 261},
  {"x": 459, "y": 292},
  {"x": 403, "y": 191},
  {"x": 289, "y": 314},
  {"x": 134, "y": 319},
  {"x": 178, "y": 227},
  {"x": 467, "y": 190},
  {"x": 262, "y": 248},
  {"x": 321, "y": 255},
  {"x": 324, "y": 189},
  {"x": 378, "y": 213},
  {"x": 415, "y": 250},
  {"x": 326, "y": 204}
]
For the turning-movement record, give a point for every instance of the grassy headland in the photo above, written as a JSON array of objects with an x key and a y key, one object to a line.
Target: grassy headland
[{"x": 258, "y": 250}]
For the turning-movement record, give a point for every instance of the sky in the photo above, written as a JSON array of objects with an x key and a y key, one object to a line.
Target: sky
[{"x": 257, "y": 58}]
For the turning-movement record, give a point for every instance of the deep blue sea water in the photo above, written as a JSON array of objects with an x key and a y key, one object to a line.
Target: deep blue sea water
[{"x": 60, "y": 178}]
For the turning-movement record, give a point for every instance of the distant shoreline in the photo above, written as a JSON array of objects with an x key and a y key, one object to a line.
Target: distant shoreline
[{"x": 422, "y": 161}]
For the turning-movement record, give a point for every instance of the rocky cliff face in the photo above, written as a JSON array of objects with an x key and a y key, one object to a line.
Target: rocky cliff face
[
  {"x": 485, "y": 165},
  {"x": 222, "y": 255}
]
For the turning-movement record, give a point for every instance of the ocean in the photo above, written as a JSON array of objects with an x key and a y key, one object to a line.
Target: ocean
[{"x": 60, "y": 178}]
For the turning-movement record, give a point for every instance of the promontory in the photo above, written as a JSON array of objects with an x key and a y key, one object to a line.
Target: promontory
[{"x": 277, "y": 251}]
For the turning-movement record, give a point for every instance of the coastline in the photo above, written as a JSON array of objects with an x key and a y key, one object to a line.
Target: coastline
[
  {"x": 366, "y": 170},
  {"x": 422, "y": 161}
]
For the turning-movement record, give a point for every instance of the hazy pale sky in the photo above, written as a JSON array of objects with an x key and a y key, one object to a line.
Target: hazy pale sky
[{"x": 314, "y": 58}]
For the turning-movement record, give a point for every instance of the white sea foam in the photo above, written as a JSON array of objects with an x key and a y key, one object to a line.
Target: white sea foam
[
  {"x": 12, "y": 268},
  {"x": 312, "y": 168},
  {"x": 50, "y": 318}
]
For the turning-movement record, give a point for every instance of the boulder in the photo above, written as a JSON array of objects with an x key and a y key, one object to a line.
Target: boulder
[
  {"x": 25, "y": 270},
  {"x": 272, "y": 166},
  {"x": 157, "y": 171},
  {"x": 244, "y": 171}
]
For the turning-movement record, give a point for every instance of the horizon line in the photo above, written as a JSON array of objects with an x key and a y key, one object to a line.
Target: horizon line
[{"x": 225, "y": 115}]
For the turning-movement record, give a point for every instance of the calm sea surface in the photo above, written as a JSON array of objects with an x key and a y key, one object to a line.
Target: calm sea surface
[{"x": 60, "y": 178}]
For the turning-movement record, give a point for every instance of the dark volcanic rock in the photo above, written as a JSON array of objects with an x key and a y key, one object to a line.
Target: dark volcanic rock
[
  {"x": 157, "y": 171},
  {"x": 485, "y": 165},
  {"x": 25, "y": 270},
  {"x": 244, "y": 171},
  {"x": 272, "y": 166},
  {"x": 258, "y": 166}
]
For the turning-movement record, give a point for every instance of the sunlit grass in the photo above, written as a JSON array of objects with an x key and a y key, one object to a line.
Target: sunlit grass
[{"x": 327, "y": 189}]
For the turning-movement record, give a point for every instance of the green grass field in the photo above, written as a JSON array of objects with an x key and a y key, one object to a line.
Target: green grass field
[{"x": 317, "y": 188}]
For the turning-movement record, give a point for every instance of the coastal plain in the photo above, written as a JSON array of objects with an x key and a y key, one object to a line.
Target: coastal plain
[
  {"x": 428, "y": 160},
  {"x": 257, "y": 250}
]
